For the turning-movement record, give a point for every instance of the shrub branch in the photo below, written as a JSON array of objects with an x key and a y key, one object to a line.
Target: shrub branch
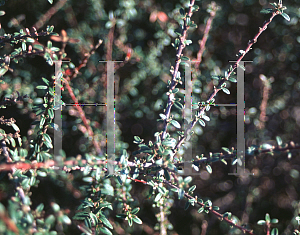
[{"x": 222, "y": 81}]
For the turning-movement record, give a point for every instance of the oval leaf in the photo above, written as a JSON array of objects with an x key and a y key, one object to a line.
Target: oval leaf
[{"x": 175, "y": 123}]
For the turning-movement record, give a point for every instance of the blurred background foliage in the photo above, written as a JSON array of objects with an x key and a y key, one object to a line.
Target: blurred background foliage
[{"x": 140, "y": 34}]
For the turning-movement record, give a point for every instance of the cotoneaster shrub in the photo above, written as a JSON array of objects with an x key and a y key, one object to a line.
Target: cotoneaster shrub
[{"x": 149, "y": 191}]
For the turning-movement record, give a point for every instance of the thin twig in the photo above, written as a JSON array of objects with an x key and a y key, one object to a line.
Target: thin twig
[
  {"x": 264, "y": 102},
  {"x": 211, "y": 210},
  {"x": 174, "y": 82},
  {"x": 74, "y": 164},
  {"x": 83, "y": 117},
  {"x": 85, "y": 60},
  {"x": 202, "y": 43},
  {"x": 9, "y": 38},
  {"x": 217, "y": 89},
  {"x": 162, "y": 215},
  {"x": 78, "y": 107},
  {"x": 46, "y": 17}
]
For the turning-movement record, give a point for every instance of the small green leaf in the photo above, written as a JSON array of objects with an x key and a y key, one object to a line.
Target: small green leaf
[
  {"x": 242, "y": 67},
  {"x": 192, "y": 189},
  {"x": 175, "y": 123},
  {"x": 175, "y": 90},
  {"x": 55, "y": 49},
  {"x": 137, "y": 139},
  {"x": 178, "y": 105},
  {"x": 267, "y": 218},
  {"x": 50, "y": 29},
  {"x": 39, "y": 208},
  {"x": 185, "y": 58},
  {"x": 261, "y": 222},
  {"x": 54, "y": 126},
  {"x": 232, "y": 79},
  {"x": 41, "y": 173},
  {"x": 31, "y": 40},
  {"x": 51, "y": 113},
  {"x": 135, "y": 210},
  {"x": 202, "y": 123},
  {"x": 170, "y": 142},
  {"x": 38, "y": 47},
  {"x": 234, "y": 161},
  {"x": 226, "y": 150},
  {"x": 201, "y": 209},
  {"x": 106, "y": 222},
  {"x": 137, "y": 220},
  {"x": 16, "y": 128},
  {"x": 206, "y": 118},
  {"x": 88, "y": 223},
  {"x": 285, "y": 16},
  {"x": 50, "y": 220},
  {"x": 158, "y": 197},
  {"x": 47, "y": 138},
  {"x": 121, "y": 216},
  {"x": 105, "y": 231},
  {"x": 49, "y": 44},
  {"x": 3, "y": 71},
  {"x": 130, "y": 222},
  {"x": 188, "y": 42},
  {"x": 225, "y": 90},
  {"x": 13, "y": 142},
  {"x": 86, "y": 230},
  {"x": 180, "y": 193},
  {"x": 195, "y": 8},
  {"x": 45, "y": 81},
  {"x": 279, "y": 141},
  {"x": 55, "y": 207},
  {"x": 274, "y": 231},
  {"x": 24, "y": 46},
  {"x": 162, "y": 116},
  {"x": 188, "y": 20},
  {"x": 209, "y": 169},
  {"x": 266, "y": 11},
  {"x": 66, "y": 219},
  {"x": 266, "y": 146},
  {"x": 216, "y": 77},
  {"x": 42, "y": 87},
  {"x": 228, "y": 215},
  {"x": 150, "y": 157},
  {"x": 178, "y": 33},
  {"x": 182, "y": 12}
]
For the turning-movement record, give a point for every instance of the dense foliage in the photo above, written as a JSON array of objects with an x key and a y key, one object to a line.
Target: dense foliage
[{"x": 154, "y": 44}]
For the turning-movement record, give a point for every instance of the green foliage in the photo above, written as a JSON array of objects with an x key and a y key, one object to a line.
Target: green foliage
[{"x": 150, "y": 82}]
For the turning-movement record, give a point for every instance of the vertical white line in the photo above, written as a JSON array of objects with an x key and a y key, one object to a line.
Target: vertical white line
[
  {"x": 57, "y": 140},
  {"x": 110, "y": 118},
  {"x": 188, "y": 117},
  {"x": 240, "y": 120}
]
